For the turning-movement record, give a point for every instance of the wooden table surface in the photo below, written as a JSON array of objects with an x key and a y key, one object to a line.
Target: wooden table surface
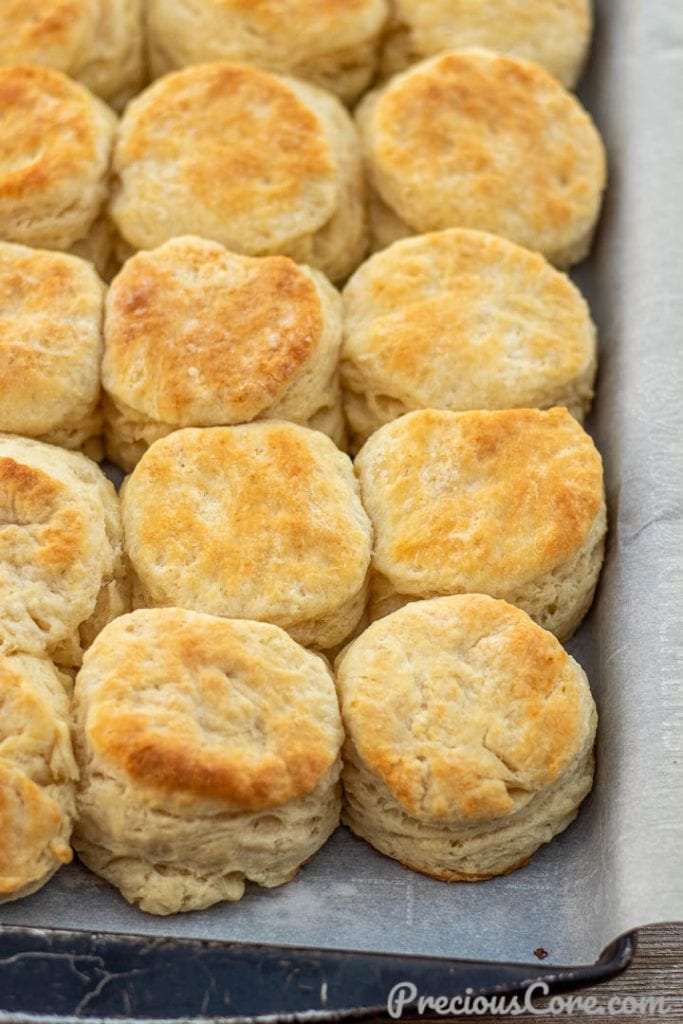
[{"x": 656, "y": 970}]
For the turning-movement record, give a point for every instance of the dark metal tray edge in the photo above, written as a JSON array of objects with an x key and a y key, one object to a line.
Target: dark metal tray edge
[{"x": 98, "y": 977}]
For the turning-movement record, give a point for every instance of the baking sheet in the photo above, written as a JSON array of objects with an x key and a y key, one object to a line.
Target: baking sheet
[{"x": 620, "y": 865}]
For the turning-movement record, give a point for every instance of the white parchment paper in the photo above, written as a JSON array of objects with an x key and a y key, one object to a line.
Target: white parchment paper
[{"x": 620, "y": 865}]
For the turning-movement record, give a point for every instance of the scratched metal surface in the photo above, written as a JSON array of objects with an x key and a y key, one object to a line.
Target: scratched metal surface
[{"x": 619, "y": 866}]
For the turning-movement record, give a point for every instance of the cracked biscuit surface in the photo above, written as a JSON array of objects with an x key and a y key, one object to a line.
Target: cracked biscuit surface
[
  {"x": 210, "y": 755},
  {"x": 469, "y": 736}
]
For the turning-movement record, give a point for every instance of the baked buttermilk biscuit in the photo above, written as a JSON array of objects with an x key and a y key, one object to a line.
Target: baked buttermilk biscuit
[
  {"x": 462, "y": 320},
  {"x": 55, "y": 147},
  {"x": 332, "y": 43},
  {"x": 98, "y": 42},
  {"x": 37, "y": 774},
  {"x": 475, "y": 139},
  {"x": 554, "y": 33},
  {"x": 199, "y": 336},
  {"x": 62, "y": 572},
  {"x": 261, "y": 163},
  {"x": 209, "y": 752},
  {"x": 51, "y": 309},
  {"x": 470, "y": 736},
  {"x": 261, "y": 521},
  {"x": 507, "y": 503}
]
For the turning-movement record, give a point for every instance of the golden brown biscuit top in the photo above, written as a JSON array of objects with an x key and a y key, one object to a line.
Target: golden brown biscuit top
[
  {"x": 201, "y": 708},
  {"x": 51, "y": 309},
  {"x": 259, "y": 521},
  {"x": 197, "y": 335},
  {"x": 236, "y": 142},
  {"x": 51, "y": 32},
  {"x": 478, "y": 501},
  {"x": 481, "y": 140},
  {"x": 463, "y": 707},
  {"x": 464, "y": 319},
  {"x": 49, "y": 133}
]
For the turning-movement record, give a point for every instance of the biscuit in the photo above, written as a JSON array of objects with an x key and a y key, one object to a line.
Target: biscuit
[
  {"x": 37, "y": 774},
  {"x": 97, "y": 42},
  {"x": 199, "y": 336},
  {"x": 554, "y": 33},
  {"x": 260, "y": 163},
  {"x": 462, "y": 320},
  {"x": 506, "y": 503},
  {"x": 470, "y": 737},
  {"x": 54, "y": 158},
  {"x": 479, "y": 140},
  {"x": 51, "y": 310},
  {"x": 333, "y": 44},
  {"x": 62, "y": 570},
  {"x": 209, "y": 753},
  {"x": 260, "y": 521}
]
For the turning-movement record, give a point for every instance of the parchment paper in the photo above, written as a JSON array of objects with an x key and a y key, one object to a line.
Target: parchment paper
[{"x": 620, "y": 865}]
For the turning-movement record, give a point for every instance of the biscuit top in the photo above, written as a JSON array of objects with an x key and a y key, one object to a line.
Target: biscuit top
[
  {"x": 509, "y": 496},
  {"x": 227, "y": 148},
  {"x": 465, "y": 320},
  {"x": 57, "y": 529},
  {"x": 196, "y": 335},
  {"x": 51, "y": 32},
  {"x": 51, "y": 308},
  {"x": 51, "y": 142},
  {"x": 463, "y": 707},
  {"x": 259, "y": 521},
  {"x": 196, "y": 708},
  {"x": 476, "y": 139}
]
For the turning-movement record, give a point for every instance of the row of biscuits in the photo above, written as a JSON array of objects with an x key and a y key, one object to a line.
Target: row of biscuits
[
  {"x": 190, "y": 334},
  {"x": 207, "y": 752},
  {"x": 340, "y": 45},
  {"x": 265, "y": 164}
]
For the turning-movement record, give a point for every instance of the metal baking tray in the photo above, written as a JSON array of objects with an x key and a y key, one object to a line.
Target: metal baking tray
[{"x": 332, "y": 943}]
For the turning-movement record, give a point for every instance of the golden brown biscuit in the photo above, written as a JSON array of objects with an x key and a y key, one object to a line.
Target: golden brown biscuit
[
  {"x": 95, "y": 41},
  {"x": 199, "y": 336},
  {"x": 37, "y": 774},
  {"x": 507, "y": 503},
  {"x": 479, "y": 140},
  {"x": 62, "y": 571},
  {"x": 261, "y": 163},
  {"x": 332, "y": 43},
  {"x": 469, "y": 736},
  {"x": 54, "y": 157},
  {"x": 209, "y": 751},
  {"x": 261, "y": 521},
  {"x": 554, "y": 33},
  {"x": 462, "y": 320},
  {"x": 51, "y": 309}
]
